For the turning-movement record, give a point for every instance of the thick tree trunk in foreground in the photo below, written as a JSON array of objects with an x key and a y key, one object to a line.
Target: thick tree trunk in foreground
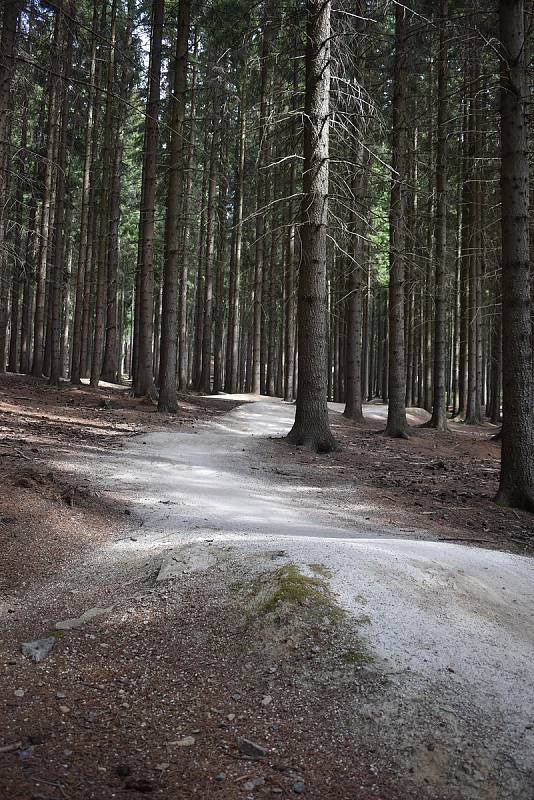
[
  {"x": 144, "y": 379},
  {"x": 396, "y": 424},
  {"x": 439, "y": 403},
  {"x": 169, "y": 311},
  {"x": 516, "y": 486},
  {"x": 311, "y": 426}
]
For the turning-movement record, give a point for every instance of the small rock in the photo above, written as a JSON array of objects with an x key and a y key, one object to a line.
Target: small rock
[
  {"x": 249, "y": 748},
  {"x": 221, "y": 776},
  {"x": 236, "y": 696},
  {"x": 26, "y": 753},
  {"x": 60, "y": 695},
  {"x": 19, "y": 692},
  {"x": 64, "y": 709},
  {"x": 38, "y": 649},
  {"x": 267, "y": 700},
  {"x": 78, "y": 622},
  {"x": 230, "y": 717},
  {"x": 298, "y": 787},
  {"x": 187, "y": 741}
]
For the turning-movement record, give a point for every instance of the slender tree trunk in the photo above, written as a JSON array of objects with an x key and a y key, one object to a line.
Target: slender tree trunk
[
  {"x": 169, "y": 312},
  {"x": 396, "y": 423},
  {"x": 439, "y": 407},
  {"x": 11, "y": 10},
  {"x": 356, "y": 284},
  {"x": 107, "y": 157},
  {"x": 516, "y": 486},
  {"x": 84, "y": 213},
  {"x": 232, "y": 342},
  {"x": 311, "y": 425},
  {"x": 260, "y": 200},
  {"x": 211, "y": 231},
  {"x": 144, "y": 379},
  {"x": 45, "y": 238}
]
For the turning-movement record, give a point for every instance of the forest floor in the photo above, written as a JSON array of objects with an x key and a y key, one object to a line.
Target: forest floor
[{"x": 231, "y": 617}]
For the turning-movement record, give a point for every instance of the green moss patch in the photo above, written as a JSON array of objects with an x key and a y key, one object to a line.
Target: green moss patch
[{"x": 287, "y": 587}]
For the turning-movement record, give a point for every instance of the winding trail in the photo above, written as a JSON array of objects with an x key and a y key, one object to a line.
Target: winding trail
[{"x": 453, "y": 625}]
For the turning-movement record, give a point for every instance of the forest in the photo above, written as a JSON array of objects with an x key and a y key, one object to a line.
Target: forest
[{"x": 265, "y": 282}]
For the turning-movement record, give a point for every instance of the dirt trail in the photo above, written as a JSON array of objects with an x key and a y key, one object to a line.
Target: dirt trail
[{"x": 445, "y": 693}]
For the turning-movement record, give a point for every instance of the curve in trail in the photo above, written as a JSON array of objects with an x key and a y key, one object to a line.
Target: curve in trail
[{"x": 459, "y": 621}]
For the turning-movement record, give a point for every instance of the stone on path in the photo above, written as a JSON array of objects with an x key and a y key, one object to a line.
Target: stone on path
[
  {"x": 39, "y": 648},
  {"x": 249, "y": 748},
  {"x": 78, "y": 622}
]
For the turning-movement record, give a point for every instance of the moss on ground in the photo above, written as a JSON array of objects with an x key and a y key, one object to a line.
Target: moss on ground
[{"x": 286, "y": 587}]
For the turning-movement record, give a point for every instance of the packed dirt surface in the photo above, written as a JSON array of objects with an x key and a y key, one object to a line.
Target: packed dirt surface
[{"x": 254, "y": 625}]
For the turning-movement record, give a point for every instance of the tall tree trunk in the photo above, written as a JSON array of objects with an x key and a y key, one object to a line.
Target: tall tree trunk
[
  {"x": 439, "y": 403},
  {"x": 311, "y": 425},
  {"x": 232, "y": 343},
  {"x": 260, "y": 200},
  {"x": 84, "y": 213},
  {"x": 57, "y": 277},
  {"x": 516, "y": 486},
  {"x": 144, "y": 380},
  {"x": 11, "y": 11},
  {"x": 356, "y": 284},
  {"x": 45, "y": 238},
  {"x": 105, "y": 210},
  {"x": 169, "y": 312},
  {"x": 396, "y": 423},
  {"x": 211, "y": 231}
]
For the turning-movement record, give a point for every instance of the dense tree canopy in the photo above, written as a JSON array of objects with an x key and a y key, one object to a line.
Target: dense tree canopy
[{"x": 177, "y": 177}]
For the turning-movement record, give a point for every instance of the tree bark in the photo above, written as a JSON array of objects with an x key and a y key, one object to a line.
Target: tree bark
[
  {"x": 75, "y": 372},
  {"x": 439, "y": 403},
  {"x": 311, "y": 427},
  {"x": 516, "y": 487},
  {"x": 396, "y": 423},
  {"x": 169, "y": 312},
  {"x": 144, "y": 379}
]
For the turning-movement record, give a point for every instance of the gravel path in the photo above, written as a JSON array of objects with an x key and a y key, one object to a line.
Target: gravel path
[
  {"x": 456, "y": 622},
  {"x": 436, "y": 703}
]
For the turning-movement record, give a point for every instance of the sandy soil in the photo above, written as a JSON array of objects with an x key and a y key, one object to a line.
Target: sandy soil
[{"x": 416, "y": 681}]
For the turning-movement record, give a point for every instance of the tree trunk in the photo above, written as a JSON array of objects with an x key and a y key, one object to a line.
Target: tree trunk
[
  {"x": 516, "y": 486},
  {"x": 232, "y": 343},
  {"x": 84, "y": 213},
  {"x": 144, "y": 379},
  {"x": 396, "y": 423},
  {"x": 10, "y": 15},
  {"x": 105, "y": 210},
  {"x": 45, "y": 238},
  {"x": 356, "y": 284},
  {"x": 260, "y": 201},
  {"x": 211, "y": 231},
  {"x": 169, "y": 312},
  {"x": 439, "y": 403},
  {"x": 311, "y": 427}
]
